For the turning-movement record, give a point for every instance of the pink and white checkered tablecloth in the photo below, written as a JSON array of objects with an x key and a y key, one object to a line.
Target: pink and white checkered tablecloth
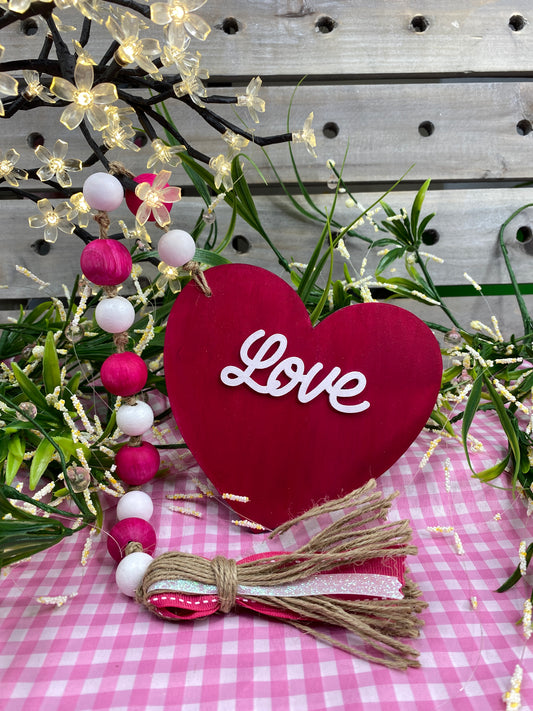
[{"x": 101, "y": 651}]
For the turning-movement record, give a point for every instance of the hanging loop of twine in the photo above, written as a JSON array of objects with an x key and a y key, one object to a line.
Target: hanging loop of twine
[
  {"x": 198, "y": 276},
  {"x": 226, "y": 581}
]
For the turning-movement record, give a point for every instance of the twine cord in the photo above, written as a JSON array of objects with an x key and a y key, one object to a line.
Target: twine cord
[
  {"x": 348, "y": 541},
  {"x": 226, "y": 581},
  {"x": 102, "y": 218},
  {"x": 117, "y": 168},
  {"x": 198, "y": 276}
]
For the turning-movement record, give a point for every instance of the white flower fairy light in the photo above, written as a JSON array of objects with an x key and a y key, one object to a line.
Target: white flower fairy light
[
  {"x": 34, "y": 89},
  {"x": 180, "y": 15},
  {"x": 56, "y": 165},
  {"x": 84, "y": 98},
  {"x": 306, "y": 136},
  {"x": 153, "y": 198},
  {"x": 8, "y": 87},
  {"x": 133, "y": 50},
  {"x": 52, "y": 219},
  {"x": 8, "y": 171},
  {"x": 222, "y": 167},
  {"x": 251, "y": 99},
  {"x": 164, "y": 155}
]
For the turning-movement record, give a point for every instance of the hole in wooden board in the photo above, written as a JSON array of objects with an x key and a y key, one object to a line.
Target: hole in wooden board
[
  {"x": 230, "y": 25},
  {"x": 29, "y": 27},
  {"x": 524, "y": 234},
  {"x": 325, "y": 25},
  {"x": 426, "y": 128},
  {"x": 330, "y": 129},
  {"x": 524, "y": 127},
  {"x": 430, "y": 237},
  {"x": 41, "y": 247},
  {"x": 35, "y": 139},
  {"x": 517, "y": 22},
  {"x": 241, "y": 244},
  {"x": 419, "y": 23},
  {"x": 140, "y": 139}
]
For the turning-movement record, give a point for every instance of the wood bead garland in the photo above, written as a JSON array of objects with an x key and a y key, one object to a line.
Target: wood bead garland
[{"x": 108, "y": 263}]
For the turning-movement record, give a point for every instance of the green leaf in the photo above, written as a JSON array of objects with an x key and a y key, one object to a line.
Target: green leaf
[
  {"x": 311, "y": 273},
  {"x": 198, "y": 181},
  {"x": 443, "y": 421},
  {"x": 51, "y": 370},
  {"x": 69, "y": 447},
  {"x": 507, "y": 426},
  {"x": 470, "y": 410},
  {"x": 39, "y": 312},
  {"x": 206, "y": 256},
  {"x": 417, "y": 206},
  {"x": 73, "y": 384},
  {"x": 4, "y": 448},
  {"x": 40, "y": 461},
  {"x": 15, "y": 455},
  {"x": 495, "y": 471},
  {"x": 515, "y": 577},
  {"x": 387, "y": 259},
  {"x": 315, "y": 315},
  {"x": 387, "y": 209},
  {"x": 384, "y": 242},
  {"x": 340, "y": 298},
  {"x": 425, "y": 222},
  {"x": 29, "y": 389},
  {"x": 230, "y": 230}
]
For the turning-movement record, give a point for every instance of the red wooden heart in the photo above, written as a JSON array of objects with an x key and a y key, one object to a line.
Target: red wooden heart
[{"x": 284, "y": 454}]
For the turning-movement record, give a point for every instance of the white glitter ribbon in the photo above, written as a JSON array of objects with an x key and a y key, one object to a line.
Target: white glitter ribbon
[{"x": 384, "y": 586}]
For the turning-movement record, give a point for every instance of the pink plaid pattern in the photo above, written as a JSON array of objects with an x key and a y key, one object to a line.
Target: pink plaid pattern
[{"x": 101, "y": 651}]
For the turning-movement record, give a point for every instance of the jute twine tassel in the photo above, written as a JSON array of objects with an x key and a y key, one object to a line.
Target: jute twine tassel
[{"x": 350, "y": 540}]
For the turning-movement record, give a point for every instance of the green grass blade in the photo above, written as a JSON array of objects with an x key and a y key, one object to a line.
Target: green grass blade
[{"x": 470, "y": 410}]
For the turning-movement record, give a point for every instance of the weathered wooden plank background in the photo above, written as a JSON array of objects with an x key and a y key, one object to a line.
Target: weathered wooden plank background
[{"x": 443, "y": 87}]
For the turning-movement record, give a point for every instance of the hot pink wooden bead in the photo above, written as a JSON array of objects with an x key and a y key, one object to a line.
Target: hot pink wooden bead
[
  {"x": 106, "y": 262},
  {"x": 133, "y": 202},
  {"x": 137, "y": 465},
  {"x": 124, "y": 374},
  {"x": 127, "y": 530}
]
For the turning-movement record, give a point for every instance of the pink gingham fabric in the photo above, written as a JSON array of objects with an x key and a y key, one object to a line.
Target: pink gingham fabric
[{"x": 101, "y": 651}]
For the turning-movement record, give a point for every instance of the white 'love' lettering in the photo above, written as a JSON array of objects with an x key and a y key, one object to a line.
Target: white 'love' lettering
[{"x": 294, "y": 370}]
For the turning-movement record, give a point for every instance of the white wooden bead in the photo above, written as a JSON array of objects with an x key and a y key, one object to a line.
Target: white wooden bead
[
  {"x": 103, "y": 191},
  {"x": 115, "y": 314},
  {"x": 130, "y": 572},
  {"x": 176, "y": 247},
  {"x": 135, "y": 420},
  {"x": 135, "y": 504}
]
